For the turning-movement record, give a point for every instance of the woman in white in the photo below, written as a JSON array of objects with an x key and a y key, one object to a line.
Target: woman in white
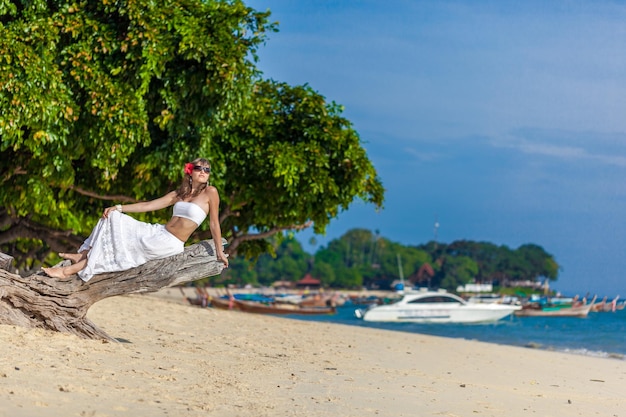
[{"x": 119, "y": 242}]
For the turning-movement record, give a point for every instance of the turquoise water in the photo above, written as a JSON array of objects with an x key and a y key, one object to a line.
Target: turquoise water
[{"x": 599, "y": 334}]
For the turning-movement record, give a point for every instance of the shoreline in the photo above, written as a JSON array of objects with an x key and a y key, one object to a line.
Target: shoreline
[
  {"x": 531, "y": 343},
  {"x": 178, "y": 359}
]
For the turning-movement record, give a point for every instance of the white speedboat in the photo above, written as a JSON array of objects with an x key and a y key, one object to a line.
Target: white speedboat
[{"x": 436, "y": 307}]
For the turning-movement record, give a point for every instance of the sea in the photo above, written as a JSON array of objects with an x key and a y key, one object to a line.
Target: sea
[{"x": 600, "y": 334}]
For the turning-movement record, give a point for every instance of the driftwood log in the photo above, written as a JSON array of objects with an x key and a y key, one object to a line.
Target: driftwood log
[{"x": 38, "y": 301}]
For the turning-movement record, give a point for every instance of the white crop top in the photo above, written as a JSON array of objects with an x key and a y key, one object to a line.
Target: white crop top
[{"x": 189, "y": 211}]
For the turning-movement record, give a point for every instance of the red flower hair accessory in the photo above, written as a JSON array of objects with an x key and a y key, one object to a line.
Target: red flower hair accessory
[{"x": 188, "y": 168}]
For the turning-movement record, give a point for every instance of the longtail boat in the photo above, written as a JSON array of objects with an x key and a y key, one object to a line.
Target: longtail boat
[
  {"x": 261, "y": 308},
  {"x": 223, "y": 303},
  {"x": 577, "y": 310}
]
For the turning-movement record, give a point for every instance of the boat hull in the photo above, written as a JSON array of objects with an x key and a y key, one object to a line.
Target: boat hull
[
  {"x": 259, "y": 308},
  {"x": 223, "y": 303},
  {"x": 561, "y": 312},
  {"x": 480, "y": 313}
]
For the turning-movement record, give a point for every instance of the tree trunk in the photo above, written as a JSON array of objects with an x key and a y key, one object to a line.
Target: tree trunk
[{"x": 39, "y": 301}]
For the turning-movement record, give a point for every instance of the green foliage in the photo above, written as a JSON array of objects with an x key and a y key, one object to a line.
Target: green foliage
[
  {"x": 287, "y": 262},
  {"x": 457, "y": 270},
  {"x": 295, "y": 160},
  {"x": 112, "y": 97},
  {"x": 326, "y": 273},
  {"x": 103, "y": 102},
  {"x": 491, "y": 263},
  {"x": 362, "y": 258}
]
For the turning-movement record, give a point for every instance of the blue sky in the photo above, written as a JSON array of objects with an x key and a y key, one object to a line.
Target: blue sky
[{"x": 504, "y": 121}]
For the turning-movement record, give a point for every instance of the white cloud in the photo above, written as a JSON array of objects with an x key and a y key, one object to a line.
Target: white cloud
[
  {"x": 423, "y": 156},
  {"x": 597, "y": 147}
]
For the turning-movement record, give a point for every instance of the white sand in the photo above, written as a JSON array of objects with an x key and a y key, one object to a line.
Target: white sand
[{"x": 180, "y": 360}]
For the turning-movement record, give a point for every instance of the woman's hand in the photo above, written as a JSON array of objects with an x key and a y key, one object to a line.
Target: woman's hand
[
  {"x": 108, "y": 211},
  {"x": 223, "y": 258}
]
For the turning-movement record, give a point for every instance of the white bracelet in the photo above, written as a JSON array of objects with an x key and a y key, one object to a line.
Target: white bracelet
[{"x": 119, "y": 208}]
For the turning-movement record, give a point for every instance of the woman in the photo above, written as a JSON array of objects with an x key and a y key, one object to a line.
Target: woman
[{"x": 119, "y": 242}]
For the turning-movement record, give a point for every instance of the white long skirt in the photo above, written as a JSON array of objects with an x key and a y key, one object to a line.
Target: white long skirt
[{"x": 121, "y": 242}]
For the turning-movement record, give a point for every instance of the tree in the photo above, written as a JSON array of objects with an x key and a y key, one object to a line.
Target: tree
[
  {"x": 540, "y": 263},
  {"x": 41, "y": 302},
  {"x": 326, "y": 273},
  {"x": 361, "y": 258},
  {"x": 498, "y": 264},
  {"x": 412, "y": 260},
  {"x": 457, "y": 270},
  {"x": 349, "y": 258},
  {"x": 276, "y": 264},
  {"x": 294, "y": 161},
  {"x": 285, "y": 261},
  {"x": 104, "y": 102}
]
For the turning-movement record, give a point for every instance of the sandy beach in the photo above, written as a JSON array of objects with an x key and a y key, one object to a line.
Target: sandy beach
[{"x": 175, "y": 359}]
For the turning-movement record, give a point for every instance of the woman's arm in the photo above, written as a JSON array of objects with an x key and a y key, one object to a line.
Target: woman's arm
[
  {"x": 152, "y": 205},
  {"x": 214, "y": 223}
]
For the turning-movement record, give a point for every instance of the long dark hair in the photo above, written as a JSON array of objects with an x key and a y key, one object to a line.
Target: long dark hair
[{"x": 185, "y": 191}]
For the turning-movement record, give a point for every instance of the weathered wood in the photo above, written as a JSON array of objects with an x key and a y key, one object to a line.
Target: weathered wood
[
  {"x": 39, "y": 301},
  {"x": 5, "y": 261}
]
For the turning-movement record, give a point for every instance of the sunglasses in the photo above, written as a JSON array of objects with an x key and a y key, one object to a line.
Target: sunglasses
[{"x": 201, "y": 168}]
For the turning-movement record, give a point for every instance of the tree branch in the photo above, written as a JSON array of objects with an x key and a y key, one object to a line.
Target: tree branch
[
  {"x": 227, "y": 211},
  {"x": 59, "y": 241},
  {"x": 5, "y": 219},
  {"x": 232, "y": 247},
  {"x": 121, "y": 198},
  {"x": 41, "y": 302},
  {"x": 79, "y": 190}
]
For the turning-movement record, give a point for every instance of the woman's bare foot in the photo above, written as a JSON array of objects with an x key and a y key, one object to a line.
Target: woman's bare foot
[
  {"x": 73, "y": 257},
  {"x": 57, "y": 272}
]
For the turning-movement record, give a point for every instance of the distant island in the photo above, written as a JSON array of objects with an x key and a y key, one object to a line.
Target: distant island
[{"x": 362, "y": 258}]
